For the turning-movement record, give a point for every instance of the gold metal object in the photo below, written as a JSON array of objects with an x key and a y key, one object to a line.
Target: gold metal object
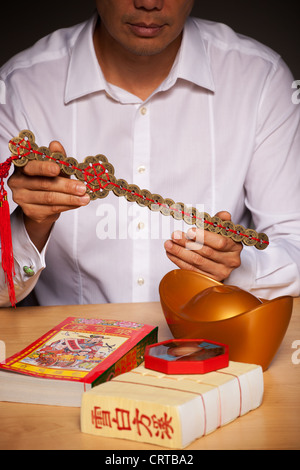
[
  {"x": 197, "y": 306},
  {"x": 98, "y": 175}
]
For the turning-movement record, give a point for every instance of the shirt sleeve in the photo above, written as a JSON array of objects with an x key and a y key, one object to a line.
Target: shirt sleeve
[
  {"x": 12, "y": 121},
  {"x": 273, "y": 193}
]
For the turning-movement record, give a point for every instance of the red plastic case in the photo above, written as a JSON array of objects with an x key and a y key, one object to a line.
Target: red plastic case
[{"x": 186, "y": 356}]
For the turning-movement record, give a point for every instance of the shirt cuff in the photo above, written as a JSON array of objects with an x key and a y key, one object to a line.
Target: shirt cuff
[
  {"x": 270, "y": 273},
  {"x": 29, "y": 262}
]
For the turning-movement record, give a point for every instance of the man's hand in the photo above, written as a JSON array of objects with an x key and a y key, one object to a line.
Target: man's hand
[
  {"x": 205, "y": 252},
  {"x": 42, "y": 193}
]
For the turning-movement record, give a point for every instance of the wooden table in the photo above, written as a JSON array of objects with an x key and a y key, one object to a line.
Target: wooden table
[{"x": 275, "y": 425}]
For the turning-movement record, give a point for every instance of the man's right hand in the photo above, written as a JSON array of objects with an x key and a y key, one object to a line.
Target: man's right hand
[{"x": 43, "y": 193}]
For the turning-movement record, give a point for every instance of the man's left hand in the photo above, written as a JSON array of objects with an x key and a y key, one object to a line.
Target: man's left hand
[{"x": 205, "y": 252}]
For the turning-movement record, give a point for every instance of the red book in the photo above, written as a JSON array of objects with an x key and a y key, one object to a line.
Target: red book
[{"x": 73, "y": 357}]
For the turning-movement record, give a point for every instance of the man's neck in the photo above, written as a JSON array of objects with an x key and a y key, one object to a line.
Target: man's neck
[{"x": 138, "y": 74}]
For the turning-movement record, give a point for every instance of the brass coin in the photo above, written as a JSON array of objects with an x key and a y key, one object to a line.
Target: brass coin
[
  {"x": 13, "y": 146},
  {"x": 17, "y": 147},
  {"x": 91, "y": 193},
  {"x": 177, "y": 210},
  {"x": 216, "y": 225},
  {"x": 250, "y": 238},
  {"x": 109, "y": 169},
  {"x": 189, "y": 215},
  {"x": 102, "y": 193},
  {"x": 80, "y": 172},
  {"x": 133, "y": 193},
  {"x": 91, "y": 160},
  {"x": 145, "y": 199},
  {"x": 99, "y": 173},
  {"x": 101, "y": 158},
  {"x": 42, "y": 153},
  {"x": 97, "y": 194},
  {"x": 238, "y": 235},
  {"x": 96, "y": 180},
  {"x": 32, "y": 155},
  {"x": 121, "y": 188},
  {"x": 70, "y": 166},
  {"x": 93, "y": 178},
  {"x": 262, "y": 238},
  {"x": 27, "y": 135},
  {"x": 20, "y": 162},
  {"x": 199, "y": 220},
  {"x": 207, "y": 220},
  {"x": 58, "y": 158},
  {"x": 156, "y": 203},
  {"x": 228, "y": 228},
  {"x": 165, "y": 207},
  {"x": 110, "y": 183}
]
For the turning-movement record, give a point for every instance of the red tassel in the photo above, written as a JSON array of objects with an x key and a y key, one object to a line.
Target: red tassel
[{"x": 7, "y": 257}]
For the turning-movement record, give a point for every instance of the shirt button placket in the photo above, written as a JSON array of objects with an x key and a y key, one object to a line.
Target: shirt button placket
[{"x": 141, "y": 165}]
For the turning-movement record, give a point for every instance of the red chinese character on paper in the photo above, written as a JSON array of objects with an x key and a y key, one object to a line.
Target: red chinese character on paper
[
  {"x": 163, "y": 426},
  {"x": 142, "y": 420},
  {"x": 122, "y": 419},
  {"x": 100, "y": 418}
]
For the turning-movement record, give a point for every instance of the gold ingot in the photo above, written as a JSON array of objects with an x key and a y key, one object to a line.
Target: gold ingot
[{"x": 197, "y": 306}]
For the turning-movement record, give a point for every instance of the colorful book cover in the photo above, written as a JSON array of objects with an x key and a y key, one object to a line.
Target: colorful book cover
[{"x": 84, "y": 350}]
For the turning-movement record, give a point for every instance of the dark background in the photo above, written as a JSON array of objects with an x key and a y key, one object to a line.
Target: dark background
[{"x": 276, "y": 24}]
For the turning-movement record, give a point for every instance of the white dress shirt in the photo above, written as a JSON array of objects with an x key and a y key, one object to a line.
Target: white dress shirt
[{"x": 220, "y": 133}]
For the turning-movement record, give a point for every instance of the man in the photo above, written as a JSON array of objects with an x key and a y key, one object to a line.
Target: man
[{"x": 182, "y": 107}]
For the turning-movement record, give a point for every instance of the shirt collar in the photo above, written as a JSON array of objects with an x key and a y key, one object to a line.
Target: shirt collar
[
  {"x": 192, "y": 63},
  {"x": 84, "y": 74}
]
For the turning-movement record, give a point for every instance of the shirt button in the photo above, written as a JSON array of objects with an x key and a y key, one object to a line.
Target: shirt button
[
  {"x": 141, "y": 225},
  {"x": 143, "y": 110},
  {"x": 141, "y": 281},
  {"x": 141, "y": 169}
]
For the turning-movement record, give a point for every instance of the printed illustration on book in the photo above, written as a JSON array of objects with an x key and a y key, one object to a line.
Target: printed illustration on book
[
  {"x": 75, "y": 348},
  {"x": 76, "y": 351}
]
